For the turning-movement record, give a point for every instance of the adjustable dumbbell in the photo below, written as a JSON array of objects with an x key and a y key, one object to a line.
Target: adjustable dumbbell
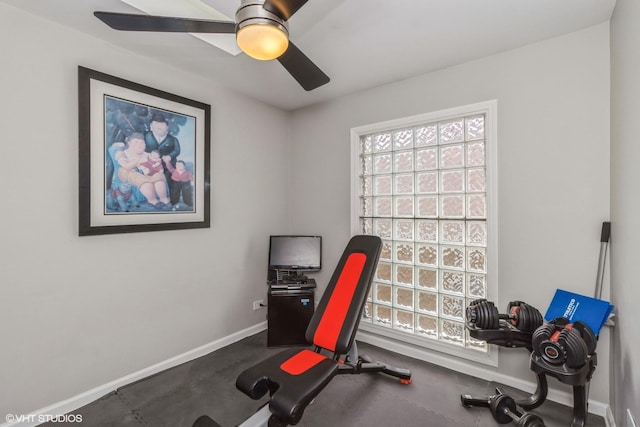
[
  {"x": 559, "y": 342},
  {"x": 524, "y": 316},
  {"x": 484, "y": 315},
  {"x": 504, "y": 410}
]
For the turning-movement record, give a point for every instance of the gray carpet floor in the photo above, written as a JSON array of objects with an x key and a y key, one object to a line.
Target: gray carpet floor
[{"x": 178, "y": 396}]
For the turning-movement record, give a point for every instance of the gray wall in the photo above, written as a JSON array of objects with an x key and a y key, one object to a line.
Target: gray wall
[
  {"x": 625, "y": 204},
  {"x": 553, "y": 165},
  {"x": 79, "y": 312}
]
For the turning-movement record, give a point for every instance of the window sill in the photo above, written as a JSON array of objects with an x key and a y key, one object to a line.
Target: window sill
[{"x": 425, "y": 349}]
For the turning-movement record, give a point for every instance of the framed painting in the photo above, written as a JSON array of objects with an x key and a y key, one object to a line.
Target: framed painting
[{"x": 144, "y": 157}]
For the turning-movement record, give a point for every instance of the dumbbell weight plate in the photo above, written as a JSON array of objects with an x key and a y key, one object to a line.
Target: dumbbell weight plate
[
  {"x": 533, "y": 318},
  {"x": 587, "y": 335},
  {"x": 489, "y": 319},
  {"x": 525, "y": 317},
  {"x": 540, "y": 335},
  {"x": 574, "y": 346},
  {"x": 501, "y": 405},
  {"x": 483, "y": 314},
  {"x": 530, "y": 420}
]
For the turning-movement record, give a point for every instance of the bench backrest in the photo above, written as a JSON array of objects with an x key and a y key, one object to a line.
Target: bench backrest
[{"x": 335, "y": 321}]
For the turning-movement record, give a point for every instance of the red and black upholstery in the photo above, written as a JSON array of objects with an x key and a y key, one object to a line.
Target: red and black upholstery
[{"x": 295, "y": 377}]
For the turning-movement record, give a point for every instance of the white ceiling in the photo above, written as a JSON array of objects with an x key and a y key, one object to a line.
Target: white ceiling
[{"x": 359, "y": 43}]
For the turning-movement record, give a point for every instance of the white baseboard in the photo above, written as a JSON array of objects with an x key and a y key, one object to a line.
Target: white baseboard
[
  {"x": 609, "y": 420},
  {"x": 477, "y": 370},
  {"x": 38, "y": 417}
]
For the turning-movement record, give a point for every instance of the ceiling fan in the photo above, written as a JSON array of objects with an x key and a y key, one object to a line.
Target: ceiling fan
[{"x": 261, "y": 28}]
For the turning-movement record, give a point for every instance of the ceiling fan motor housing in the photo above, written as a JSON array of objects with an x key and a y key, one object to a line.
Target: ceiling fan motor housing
[{"x": 252, "y": 12}]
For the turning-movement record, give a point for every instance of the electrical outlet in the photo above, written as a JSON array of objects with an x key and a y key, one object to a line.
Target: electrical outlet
[{"x": 257, "y": 305}]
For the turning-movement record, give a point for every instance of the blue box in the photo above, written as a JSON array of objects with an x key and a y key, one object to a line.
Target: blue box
[{"x": 594, "y": 312}]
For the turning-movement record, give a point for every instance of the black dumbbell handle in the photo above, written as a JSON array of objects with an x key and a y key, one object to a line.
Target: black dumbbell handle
[{"x": 468, "y": 401}]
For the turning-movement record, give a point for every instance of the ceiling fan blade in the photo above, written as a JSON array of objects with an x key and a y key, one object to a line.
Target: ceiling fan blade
[
  {"x": 302, "y": 68},
  {"x": 283, "y": 8},
  {"x": 133, "y": 22}
]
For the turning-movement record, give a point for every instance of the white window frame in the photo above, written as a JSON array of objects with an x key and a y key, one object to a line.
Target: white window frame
[{"x": 404, "y": 339}]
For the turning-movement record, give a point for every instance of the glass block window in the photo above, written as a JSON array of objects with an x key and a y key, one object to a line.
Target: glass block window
[{"x": 422, "y": 187}]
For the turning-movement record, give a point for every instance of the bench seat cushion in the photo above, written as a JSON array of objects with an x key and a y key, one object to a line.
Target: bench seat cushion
[{"x": 293, "y": 378}]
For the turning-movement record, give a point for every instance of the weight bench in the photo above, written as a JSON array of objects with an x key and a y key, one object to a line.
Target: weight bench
[{"x": 295, "y": 377}]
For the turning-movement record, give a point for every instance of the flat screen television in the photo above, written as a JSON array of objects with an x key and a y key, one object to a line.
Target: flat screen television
[{"x": 295, "y": 253}]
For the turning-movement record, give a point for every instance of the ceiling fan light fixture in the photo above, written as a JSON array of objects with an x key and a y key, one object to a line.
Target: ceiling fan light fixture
[
  {"x": 261, "y": 28},
  {"x": 262, "y": 41},
  {"x": 259, "y": 33}
]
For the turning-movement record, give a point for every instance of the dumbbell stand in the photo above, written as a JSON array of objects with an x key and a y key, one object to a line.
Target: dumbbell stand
[
  {"x": 578, "y": 378},
  {"x": 528, "y": 403},
  {"x": 507, "y": 336}
]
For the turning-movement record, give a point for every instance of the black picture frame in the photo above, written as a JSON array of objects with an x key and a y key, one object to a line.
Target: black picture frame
[{"x": 120, "y": 187}]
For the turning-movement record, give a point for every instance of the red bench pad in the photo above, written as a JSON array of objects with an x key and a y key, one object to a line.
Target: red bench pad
[{"x": 293, "y": 377}]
